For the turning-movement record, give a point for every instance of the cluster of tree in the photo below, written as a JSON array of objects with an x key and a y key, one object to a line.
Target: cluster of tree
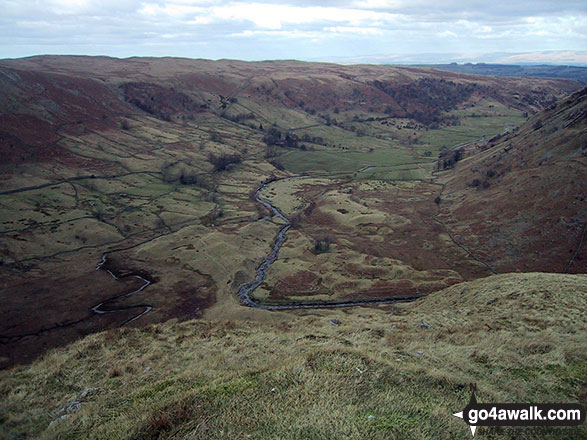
[
  {"x": 184, "y": 176},
  {"x": 448, "y": 158},
  {"x": 215, "y": 137},
  {"x": 274, "y": 137},
  {"x": 297, "y": 219},
  {"x": 322, "y": 245},
  {"x": 477, "y": 183},
  {"x": 328, "y": 120},
  {"x": 318, "y": 140},
  {"x": 484, "y": 184},
  {"x": 496, "y": 138},
  {"x": 424, "y": 100},
  {"x": 359, "y": 131},
  {"x": 161, "y": 102},
  {"x": 224, "y": 161}
]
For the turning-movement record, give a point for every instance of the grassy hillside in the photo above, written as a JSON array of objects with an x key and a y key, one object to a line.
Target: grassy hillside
[
  {"x": 373, "y": 373},
  {"x": 519, "y": 201}
]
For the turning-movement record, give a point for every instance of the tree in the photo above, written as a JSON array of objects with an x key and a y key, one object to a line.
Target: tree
[
  {"x": 224, "y": 161},
  {"x": 322, "y": 245},
  {"x": 272, "y": 137},
  {"x": 215, "y": 137},
  {"x": 291, "y": 140}
]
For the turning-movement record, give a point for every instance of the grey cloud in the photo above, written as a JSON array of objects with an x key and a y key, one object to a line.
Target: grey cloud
[{"x": 284, "y": 28}]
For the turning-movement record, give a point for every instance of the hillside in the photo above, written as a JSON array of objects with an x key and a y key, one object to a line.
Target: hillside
[
  {"x": 519, "y": 201},
  {"x": 128, "y": 190},
  {"x": 50, "y": 94},
  {"x": 385, "y": 372}
]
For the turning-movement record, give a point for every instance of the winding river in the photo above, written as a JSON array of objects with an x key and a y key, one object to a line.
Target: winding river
[
  {"x": 99, "y": 308},
  {"x": 245, "y": 290}
]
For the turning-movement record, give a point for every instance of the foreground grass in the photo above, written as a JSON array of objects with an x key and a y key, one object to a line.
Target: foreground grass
[{"x": 391, "y": 372}]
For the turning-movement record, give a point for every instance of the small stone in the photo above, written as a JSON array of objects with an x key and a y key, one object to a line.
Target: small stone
[
  {"x": 147, "y": 369},
  {"x": 58, "y": 419},
  {"x": 335, "y": 322},
  {"x": 85, "y": 393},
  {"x": 371, "y": 417},
  {"x": 424, "y": 324},
  {"x": 420, "y": 353},
  {"x": 69, "y": 408}
]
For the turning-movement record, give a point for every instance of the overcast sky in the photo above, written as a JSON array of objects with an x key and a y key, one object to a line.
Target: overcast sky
[{"x": 285, "y": 29}]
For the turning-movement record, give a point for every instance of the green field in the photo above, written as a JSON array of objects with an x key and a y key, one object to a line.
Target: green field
[
  {"x": 490, "y": 119},
  {"x": 398, "y": 149},
  {"x": 340, "y": 162}
]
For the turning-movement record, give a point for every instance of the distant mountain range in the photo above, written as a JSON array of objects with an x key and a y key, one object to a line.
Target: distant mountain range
[
  {"x": 546, "y": 64},
  {"x": 542, "y": 71}
]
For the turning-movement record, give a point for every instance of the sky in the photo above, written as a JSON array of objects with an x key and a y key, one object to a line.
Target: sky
[{"x": 408, "y": 31}]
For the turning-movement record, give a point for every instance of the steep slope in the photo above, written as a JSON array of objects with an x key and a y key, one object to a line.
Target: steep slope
[
  {"x": 387, "y": 372},
  {"x": 520, "y": 202}
]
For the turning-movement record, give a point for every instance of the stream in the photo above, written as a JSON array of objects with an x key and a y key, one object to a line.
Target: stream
[
  {"x": 98, "y": 308},
  {"x": 245, "y": 290}
]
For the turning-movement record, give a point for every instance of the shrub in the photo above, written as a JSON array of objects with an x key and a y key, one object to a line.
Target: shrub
[
  {"x": 224, "y": 161},
  {"x": 171, "y": 174},
  {"x": 272, "y": 137},
  {"x": 322, "y": 246},
  {"x": 215, "y": 137}
]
